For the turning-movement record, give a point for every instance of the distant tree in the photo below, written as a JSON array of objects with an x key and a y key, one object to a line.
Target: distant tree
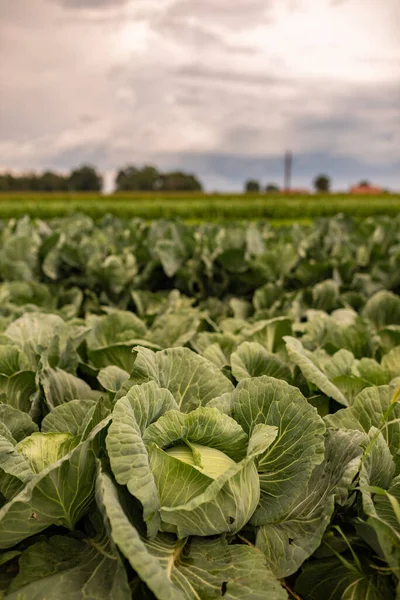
[
  {"x": 85, "y": 179},
  {"x": 5, "y": 182},
  {"x": 364, "y": 183},
  {"x": 179, "y": 181},
  {"x": 33, "y": 182},
  {"x": 131, "y": 178},
  {"x": 149, "y": 178},
  {"x": 252, "y": 185},
  {"x": 322, "y": 183},
  {"x": 126, "y": 179},
  {"x": 52, "y": 182},
  {"x": 25, "y": 182},
  {"x": 271, "y": 188}
]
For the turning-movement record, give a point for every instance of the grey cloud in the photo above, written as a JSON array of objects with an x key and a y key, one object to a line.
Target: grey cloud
[
  {"x": 245, "y": 135},
  {"x": 201, "y": 24},
  {"x": 188, "y": 33},
  {"x": 88, "y": 118},
  {"x": 193, "y": 34},
  {"x": 198, "y": 71},
  {"x": 246, "y": 13},
  {"x": 89, "y": 154},
  {"x": 91, "y": 3},
  {"x": 190, "y": 96},
  {"x": 220, "y": 8},
  {"x": 362, "y": 121},
  {"x": 229, "y": 171},
  {"x": 329, "y": 124}
]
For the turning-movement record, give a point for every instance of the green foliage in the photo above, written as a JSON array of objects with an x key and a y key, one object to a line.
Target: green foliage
[
  {"x": 85, "y": 179},
  {"x": 196, "y": 206},
  {"x": 251, "y": 186},
  {"x": 149, "y": 178},
  {"x": 178, "y": 181},
  {"x": 199, "y": 412},
  {"x": 32, "y": 182},
  {"x": 322, "y": 183}
]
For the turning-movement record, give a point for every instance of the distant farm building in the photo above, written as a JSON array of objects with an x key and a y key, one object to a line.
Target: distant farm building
[{"x": 366, "y": 189}]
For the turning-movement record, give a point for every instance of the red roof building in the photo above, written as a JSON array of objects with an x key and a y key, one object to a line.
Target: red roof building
[{"x": 366, "y": 189}]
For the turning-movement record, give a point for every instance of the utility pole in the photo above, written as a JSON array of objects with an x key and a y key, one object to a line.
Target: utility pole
[{"x": 288, "y": 170}]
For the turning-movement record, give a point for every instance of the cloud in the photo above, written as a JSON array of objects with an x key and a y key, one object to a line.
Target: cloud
[
  {"x": 99, "y": 4},
  {"x": 197, "y": 71},
  {"x": 196, "y": 35},
  {"x": 210, "y": 86},
  {"x": 219, "y": 12}
]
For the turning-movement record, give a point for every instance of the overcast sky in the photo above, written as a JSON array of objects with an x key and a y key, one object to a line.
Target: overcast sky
[{"x": 218, "y": 87}]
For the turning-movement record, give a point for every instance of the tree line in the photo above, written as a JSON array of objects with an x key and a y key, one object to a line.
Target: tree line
[
  {"x": 322, "y": 184},
  {"x": 130, "y": 178},
  {"x": 87, "y": 179}
]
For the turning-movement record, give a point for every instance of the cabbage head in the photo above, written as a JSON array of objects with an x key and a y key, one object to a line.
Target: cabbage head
[{"x": 194, "y": 473}]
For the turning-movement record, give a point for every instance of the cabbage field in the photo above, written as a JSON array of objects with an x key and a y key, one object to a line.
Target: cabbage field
[{"x": 199, "y": 412}]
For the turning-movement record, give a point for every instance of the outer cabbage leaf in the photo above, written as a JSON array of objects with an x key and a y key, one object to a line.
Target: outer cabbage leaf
[
  {"x": 326, "y": 295},
  {"x": 383, "y": 308},
  {"x": 128, "y": 455},
  {"x": 72, "y": 416},
  {"x": 112, "y": 338},
  {"x": 60, "y": 387},
  {"x": 287, "y": 464},
  {"x": 288, "y": 541},
  {"x": 12, "y": 360},
  {"x": 381, "y": 497},
  {"x": 19, "y": 391},
  {"x": 331, "y": 579},
  {"x": 64, "y": 567},
  {"x": 15, "y": 470},
  {"x": 373, "y": 407},
  {"x": 310, "y": 370},
  {"x": 112, "y": 378},
  {"x": 269, "y": 333},
  {"x": 391, "y": 362},
  {"x": 175, "y": 328},
  {"x": 18, "y": 423},
  {"x": 385, "y": 520},
  {"x": 191, "y": 379},
  {"x": 253, "y": 360},
  {"x": 342, "y": 329},
  {"x": 378, "y": 467},
  {"x": 186, "y": 569},
  {"x": 38, "y": 333},
  {"x": 47, "y": 500},
  {"x": 372, "y": 372}
]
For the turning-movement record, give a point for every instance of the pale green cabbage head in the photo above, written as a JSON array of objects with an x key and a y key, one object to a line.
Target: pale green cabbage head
[
  {"x": 202, "y": 490},
  {"x": 194, "y": 473}
]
